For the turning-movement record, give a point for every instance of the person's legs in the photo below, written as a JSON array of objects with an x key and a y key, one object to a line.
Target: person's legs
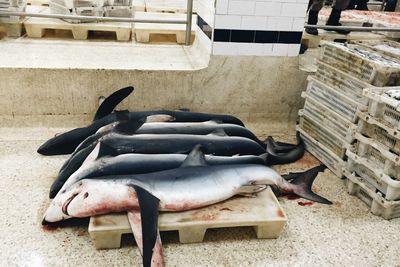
[
  {"x": 313, "y": 15},
  {"x": 334, "y": 17}
]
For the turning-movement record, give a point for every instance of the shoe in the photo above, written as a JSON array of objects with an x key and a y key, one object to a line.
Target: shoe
[
  {"x": 333, "y": 20},
  {"x": 312, "y": 20}
]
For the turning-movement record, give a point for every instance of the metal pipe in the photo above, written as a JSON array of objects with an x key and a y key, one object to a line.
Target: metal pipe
[
  {"x": 353, "y": 28},
  {"x": 189, "y": 12},
  {"x": 75, "y": 17}
]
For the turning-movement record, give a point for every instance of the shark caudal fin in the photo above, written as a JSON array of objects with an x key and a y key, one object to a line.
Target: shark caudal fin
[
  {"x": 108, "y": 105},
  {"x": 151, "y": 246},
  {"x": 274, "y": 157},
  {"x": 301, "y": 185}
]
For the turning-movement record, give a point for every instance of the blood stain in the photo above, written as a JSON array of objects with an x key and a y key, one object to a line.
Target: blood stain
[
  {"x": 280, "y": 213},
  {"x": 301, "y": 203},
  {"x": 292, "y": 197},
  {"x": 49, "y": 227}
]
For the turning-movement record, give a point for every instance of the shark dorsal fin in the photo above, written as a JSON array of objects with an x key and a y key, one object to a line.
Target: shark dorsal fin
[
  {"x": 122, "y": 115},
  {"x": 109, "y": 104},
  {"x": 106, "y": 150},
  {"x": 218, "y": 132},
  {"x": 195, "y": 158},
  {"x": 128, "y": 127}
]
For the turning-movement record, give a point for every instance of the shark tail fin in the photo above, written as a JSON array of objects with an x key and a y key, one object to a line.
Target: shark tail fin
[
  {"x": 301, "y": 185},
  {"x": 274, "y": 157}
]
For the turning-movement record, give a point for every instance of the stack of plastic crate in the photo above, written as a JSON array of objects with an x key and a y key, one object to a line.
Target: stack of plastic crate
[
  {"x": 368, "y": 73},
  {"x": 98, "y": 8},
  {"x": 373, "y": 168},
  {"x": 12, "y": 5},
  {"x": 332, "y": 100}
]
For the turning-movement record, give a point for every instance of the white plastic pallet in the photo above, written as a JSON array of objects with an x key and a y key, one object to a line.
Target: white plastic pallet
[
  {"x": 378, "y": 205},
  {"x": 36, "y": 27},
  {"x": 144, "y": 30},
  {"x": 329, "y": 119},
  {"x": 383, "y": 107},
  {"x": 139, "y": 5},
  {"x": 169, "y": 6},
  {"x": 378, "y": 156},
  {"x": 363, "y": 63},
  {"x": 262, "y": 212},
  {"x": 370, "y": 127},
  {"x": 369, "y": 171},
  {"x": 119, "y": 11},
  {"x": 341, "y": 81},
  {"x": 335, "y": 100},
  {"x": 38, "y": 2},
  {"x": 327, "y": 157}
]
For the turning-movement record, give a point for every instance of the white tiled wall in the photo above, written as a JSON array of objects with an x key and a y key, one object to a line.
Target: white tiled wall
[
  {"x": 260, "y": 15},
  {"x": 205, "y": 9}
]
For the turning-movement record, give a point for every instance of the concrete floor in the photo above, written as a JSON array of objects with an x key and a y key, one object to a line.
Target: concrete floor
[{"x": 344, "y": 233}]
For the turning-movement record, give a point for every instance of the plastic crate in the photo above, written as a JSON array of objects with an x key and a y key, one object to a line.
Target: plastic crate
[
  {"x": 341, "y": 81},
  {"x": 329, "y": 119},
  {"x": 386, "y": 47},
  {"x": 383, "y": 134},
  {"x": 119, "y": 11},
  {"x": 366, "y": 169},
  {"x": 378, "y": 205},
  {"x": 384, "y": 107},
  {"x": 362, "y": 63},
  {"x": 332, "y": 161},
  {"x": 336, "y": 101},
  {"x": 324, "y": 136},
  {"x": 90, "y": 11}
]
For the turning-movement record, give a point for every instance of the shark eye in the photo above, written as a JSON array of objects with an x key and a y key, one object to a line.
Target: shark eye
[
  {"x": 65, "y": 190},
  {"x": 86, "y": 195}
]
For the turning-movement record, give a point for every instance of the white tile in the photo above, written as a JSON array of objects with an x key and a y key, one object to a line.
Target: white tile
[
  {"x": 298, "y": 24},
  {"x": 224, "y": 49},
  {"x": 249, "y": 49},
  {"x": 222, "y": 6},
  {"x": 280, "y": 50},
  {"x": 268, "y": 49},
  {"x": 254, "y": 23},
  {"x": 207, "y": 14},
  {"x": 228, "y": 21},
  {"x": 303, "y": 1},
  {"x": 279, "y": 23},
  {"x": 241, "y": 7},
  {"x": 298, "y": 10},
  {"x": 203, "y": 40},
  {"x": 293, "y": 50},
  {"x": 268, "y": 9}
]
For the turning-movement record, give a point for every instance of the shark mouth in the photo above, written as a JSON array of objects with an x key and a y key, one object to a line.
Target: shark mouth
[{"x": 66, "y": 204}]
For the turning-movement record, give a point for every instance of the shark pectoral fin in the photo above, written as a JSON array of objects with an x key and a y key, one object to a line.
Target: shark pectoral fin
[
  {"x": 245, "y": 190},
  {"x": 129, "y": 127},
  {"x": 108, "y": 105},
  {"x": 136, "y": 226},
  {"x": 195, "y": 158},
  {"x": 106, "y": 150},
  {"x": 152, "y": 249}
]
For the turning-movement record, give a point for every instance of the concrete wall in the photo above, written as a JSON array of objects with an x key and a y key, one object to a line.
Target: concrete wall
[{"x": 265, "y": 89}]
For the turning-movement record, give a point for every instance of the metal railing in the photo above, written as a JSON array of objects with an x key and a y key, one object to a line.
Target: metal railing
[{"x": 188, "y": 20}]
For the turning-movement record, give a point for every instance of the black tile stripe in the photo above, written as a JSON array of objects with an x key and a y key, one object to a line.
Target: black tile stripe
[
  {"x": 249, "y": 36},
  {"x": 204, "y": 26}
]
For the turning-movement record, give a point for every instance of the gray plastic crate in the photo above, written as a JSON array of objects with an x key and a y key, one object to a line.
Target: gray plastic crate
[
  {"x": 386, "y": 47},
  {"x": 336, "y": 101},
  {"x": 378, "y": 205},
  {"x": 362, "y": 63},
  {"x": 329, "y": 119},
  {"x": 324, "y": 136},
  {"x": 378, "y": 156},
  {"x": 341, "y": 81},
  {"x": 385, "y": 104},
  {"x": 333, "y": 162},
  {"x": 370, "y": 127},
  {"x": 375, "y": 176}
]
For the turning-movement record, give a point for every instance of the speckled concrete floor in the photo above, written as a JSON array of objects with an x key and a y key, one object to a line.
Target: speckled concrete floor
[{"x": 342, "y": 234}]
